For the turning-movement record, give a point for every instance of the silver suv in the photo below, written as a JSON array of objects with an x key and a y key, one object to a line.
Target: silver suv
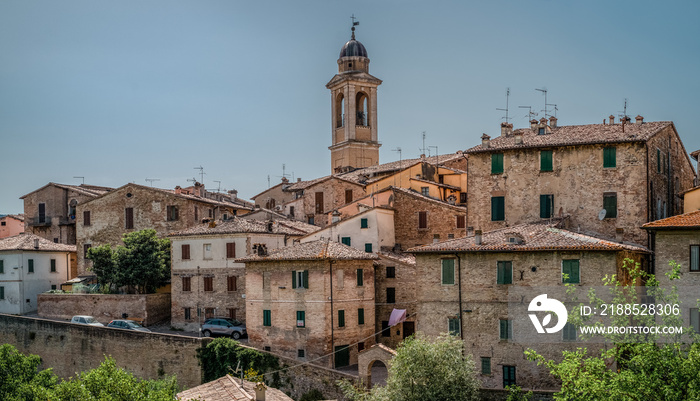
[{"x": 223, "y": 327}]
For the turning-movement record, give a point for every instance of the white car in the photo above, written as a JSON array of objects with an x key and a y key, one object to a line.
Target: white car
[{"x": 84, "y": 319}]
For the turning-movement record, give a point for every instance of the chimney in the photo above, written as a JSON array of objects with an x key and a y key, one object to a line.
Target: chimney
[
  {"x": 178, "y": 189},
  {"x": 198, "y": 189},
  {"x": 260, "y": 391},
  {"x": 518, "y": 138},
  {"x": 553, "y": 122},
  {"x": 477, "y": 237},
  {"x": 269, "y": 226},
  {"x": 543, "y": 121},
  {"x": 485, "y": 141},
  {"x": 639, "y": 119},
  {"x": 506, "y": 129},
  {"x": 298, "y": 179},
  {"x": 422, "y": 156},
  {"x": 285, "y": 180},
  {"x": 612, "y": 119},
  {"x": 233, "y": 193},
  {"x": 335, "y": 216},
  {"x": 619, "y": 233},
  {"x": 533, "y": 123},
  {"x": 36, "y": 243}
]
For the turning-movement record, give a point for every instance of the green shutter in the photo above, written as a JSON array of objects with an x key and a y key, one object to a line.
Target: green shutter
[
  {"x": 497, "y": 163},
  {"x": 546, "y": 206},
  {"x": 2, "y": 292},
  {"x": 301, "y": 318},
  {"x": 569, "y": 332},
  {"x": 610, "y": 206},
  {"x": 363, "y": 223},
  {"x": 305, "y": 278},
  {"x": 30, "y": 265},
  {"x": 368, "y": 248},
  {"x": 360, "y": 316},
  {"x": 294, "y": 279},
  {"x": 346, "y": 241},
  {"x": 53, "y": 265},
  {"x": 695, "y": 319},
  {"x": 505, "y": 273},
  {"x": 485, "y": 366},
  {"x": 2, "y": 266},
  {"x": 453, "y": 326},
  {"x": 497, "y": 208},
  {"x": 546, "y": 160},
  {"x": 694, "y": 258},
  {"x": 341, "y": 318},
  {"x": 448, "y": 271},
  {"x": 360, "y": 277},
  {"x": 571, "y": 268},
  {"x": 503, "y": 330},
  {"x": 609, "y": 157},
  {"x": 267, "y": 317}
]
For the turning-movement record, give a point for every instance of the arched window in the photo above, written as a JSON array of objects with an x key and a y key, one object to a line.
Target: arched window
[
  {"x": 340, "y": 110},
  {"x": 362, "y": 108}
]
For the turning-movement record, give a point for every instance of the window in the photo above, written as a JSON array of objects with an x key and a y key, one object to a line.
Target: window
[
  {"x": 610, "y": 205},
  {"x": 569, "y": 333},
  {"x": 53, "y": 286},
  {"x": 230, "y": 250},
  {"x": 360, "y": 316},
  {"x": 2, "y": 292},
  {"x": 301, "y": 318},
  {"x": 30, "y": 266},
  {"x": 497, "y": 163},
  {"x": 53, "y": 266},
  {"x": 231, "y": 283},
  {"x": 291, "y": 211},
  {"x": 300, "y": 279},
  {"x": 42, "y": 213},
  {"x": 461, "y": 222},
  {"x": 172, "y": 213},
  {"x": 319, "y": 202},
  {"x": 3, "y": 223},
  {"x": 485, "y": 365},
  {"x": 570, "y": 267},
  {"x": 508, "y": 376},
  {"x": 2, "y": 266},
  {"x": 310, "y": 220},
  {"x": 368, "y": 248},
  {"x": 463, "y": 197},
  {"x": 267, "y": 317},
  {"x": 694, "y": 258},
  {"x": 609, "y": 157},
  {"x": 498, "y": 208},
  {"x": 695, "y": 320},
  {"x": 341, "y": 318},
  {"x": 363, "y": 223},
  {"x": 658, "y": 161},
  {"x": 208, "y": 313},
  {"x": 196, "y": 214},
  {"x": 505, "y": 329},
  {"x": 348, "y": 195},
  {"x": 390, "y": 272},
  {"x": 546, "y": 160},
  {"x": 546, "y": 206},
  {"x": 129, "y": 218},
  {"x": 208, "y": 283},
  {"x": 86, "y": 248},
  {"x": 360, "y": 347},
  {"x": 453, "y": 326},
  {"x": 448, "y": 271},
  {"x": 541, "y": 131},
  {"x": 207, "y": 251},
  {"x": 360, "y": 277},
  {"x": 505, "y": 273},
  {"x": 386, "y": 332},
  {"x": 188, "y": 313},
  {"x": 185, "y": 249},
  {"x": 425, "y": 191},
  {"x": 345, "y": 241},
  {"x": 422, "y": 219},
  {"x": 300, "y": 353},
  {"x": 391, "y": 295},
  {"x": 86, "y": 218},
  {"x": 186, "y": 284}
]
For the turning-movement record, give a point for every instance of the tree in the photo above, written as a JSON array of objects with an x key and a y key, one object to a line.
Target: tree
[
  {"x": 424, "y": 370},
  {"x": 221, "y": 356},
  {"x": 142, "y": 263},
  {"x": 20, "y": 378},
  {"x": 655, "y": 368}
]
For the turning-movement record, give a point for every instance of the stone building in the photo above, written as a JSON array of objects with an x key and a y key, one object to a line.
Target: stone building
[
  {"x": 274, "y": 197},
  {"x": 30, "y": 265},
  {"x": 50, "y": 211},
  {"x": 11, "y": 224},
  {"x": 608, "y": 179},
  {"x": 206, "y": 279},
  {"x": 310, "y": 301},
  {"x": 106, "y": 218},
  {"x": 314, "y": 199},
  {"x": 467, "y": 283}
]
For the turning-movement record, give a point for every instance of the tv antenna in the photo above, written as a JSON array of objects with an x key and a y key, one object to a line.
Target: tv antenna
[
  {"x": 219, "y": 188},
  {"x": 544, "y": 90},
  {"x": 398, "y": 149},
  {"x": 192, "y": 180},
  {"x": 423, "y": 149},
  {"x": 623, "y": 116},
  {"x": 150, "y": 180},
  {"x": 80, "y": 177},
  {"x": 268, "y": 180},
  {"x": 201, "y": 173},
  {"x": 437, "y": 155},
  {"x": 555, "y": 108},
  {"x": 506, "y": 109},
  {"x": 530, "y": 113}
]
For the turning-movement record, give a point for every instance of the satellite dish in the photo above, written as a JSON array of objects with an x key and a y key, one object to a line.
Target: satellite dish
[{"x": 601, "y": 214}]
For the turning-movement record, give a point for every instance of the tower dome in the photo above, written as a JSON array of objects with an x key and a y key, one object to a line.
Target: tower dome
[{"x": 353, "y": 48}]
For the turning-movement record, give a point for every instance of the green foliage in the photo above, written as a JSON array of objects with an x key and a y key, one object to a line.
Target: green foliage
[
  {"x": 654, "y": 369},
  {"x": 313, "y": 395},
  {"x": 20, "y": 378},
  {"x": 424, "y": 370},
  {"x": 221, "y": 357},
  {"x": 515, "y": 393},
  {"x": 142, "y": 263}
]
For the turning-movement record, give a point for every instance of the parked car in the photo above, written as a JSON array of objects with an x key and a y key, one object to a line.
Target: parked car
[
  {"x": 223, "y": 327},
  {"x": 127, "y": 325},
  {"x": 84, "y": 319}
]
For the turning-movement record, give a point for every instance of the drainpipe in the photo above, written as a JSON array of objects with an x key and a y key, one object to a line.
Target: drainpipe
[
  {"x": 330, "y": 266},
  {"x": 466, "y": 208},
  {"x": 459, "y": 286}
]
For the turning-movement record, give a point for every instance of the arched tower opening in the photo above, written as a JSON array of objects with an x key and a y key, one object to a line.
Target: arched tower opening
[
  {"x": 340, "y": 110},
  {"x": 362, "y": 107}
]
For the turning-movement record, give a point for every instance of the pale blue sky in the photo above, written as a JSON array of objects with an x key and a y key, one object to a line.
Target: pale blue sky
[{"x": 122, "y": 91}]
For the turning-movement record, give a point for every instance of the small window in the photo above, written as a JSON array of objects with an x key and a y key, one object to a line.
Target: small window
[
  {"x": 129, "y": 218},
  {"x": 86, "y": 218},
  {"x": 207, "y": 251},
  {"x": 345, "y": 241},
  {"x": 505, "y": 329},
  {"x": 425, "y": 191},
  {"x": 186, "y": 284},
  {"x": 546, "y": 160},
  {"x": 508, "y": 376},
  {"x": 53, "y": 265},
  {"x": 360, "y": 277},
  {"x": 570, "y": 268},
  {"x": 609, "y": 157},
  {"x": 390, "y": 272},
  {"x": 363, "y": 223},
  {"x": 505, "y": 273},
  {"x": 185, "y": 249},
  {"x": 610, "y": 205},
  {"x": 386, "y": 332},
  {"x": 695, "y": 320},
  {"x": 231, "y": 283},
  {"x": 461, "y": 221},
  {"x": 310, "y": 220},
  {"x": 53, "y": 286},
  {"x": 2, "y": 266},
  {"x": 569, "y": 333},
  {"x": 694, "y": 258},
  {"x": 301, "y": 318},
  {"x": 348, "y": 195},
  {"x": 3, "y": 223},
  {"x": 341, "y": 318},
  {"x": 360, "y": 346},
  {"x": 300, "y": 279},
  {"x": 188, "y": 313},
  {"x": 42, "y": 213},
  {"x": 230, "y": 250},
  {"x": 30, "y": 266},
  {"x": 448, "y": 271},
  {"x": 368, "y": 248},
  {"x": 208, "y": 283},
  {"x": 300, "y": 353},
  {"x": 546, "y": 206},
  {"x": 360, "y": 316},
  {"x": 463, "y": 197},
  {"x": 498, "y": 208},
  {"x": 541, "y": 131},
  {"x": 453, "y": 326},
  {"x": 422, "y": 219},
  {"x": 267, "y": 317},
  {"x": 485, "y": 365},
  {"x": 2, "y": 292},
  {"x": 172, "y": 213},
  {"x": 391, "y": 295},
  {"x": 497, "y": 163}
]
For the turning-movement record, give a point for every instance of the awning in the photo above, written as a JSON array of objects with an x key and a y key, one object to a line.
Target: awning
[{"x": 397, "y": 316}]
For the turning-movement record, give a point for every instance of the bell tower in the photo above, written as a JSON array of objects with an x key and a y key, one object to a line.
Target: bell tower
[{"x": 353, "y": 110}]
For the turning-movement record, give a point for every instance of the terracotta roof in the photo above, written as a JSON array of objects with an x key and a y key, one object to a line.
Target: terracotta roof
[
  {"x": 25, "y": 242},
  {"x": 238, "y": 225},
  {"x": 689, "y": 190},
  {"x": 695, "y": 155},
  {"x": 229, "y": 389},
  {"x": 374, "y": 173},
  {"x": 679, "y": 222},
  {"x": 89, "y": 190},
  {"x": 299, "y": 225},
  {"x": 436, "y": 183},
  {"x": 418, "y": 195},
  {"x": 19, "y": 217},
  {"x": 575, "y": 135},
  {"x": 313, "y": 250},
  {"x": 305, "y": 184},
  {"x": 270, "y": 213},
  {"x": 405, "y": 258},
  {"x": 534, "y": 237}
]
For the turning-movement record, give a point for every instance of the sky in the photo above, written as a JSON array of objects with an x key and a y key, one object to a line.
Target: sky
[{"x": 125, "y": 91}]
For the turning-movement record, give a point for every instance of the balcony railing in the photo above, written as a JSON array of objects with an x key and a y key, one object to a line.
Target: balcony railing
[{"x": 43, "y": 221}]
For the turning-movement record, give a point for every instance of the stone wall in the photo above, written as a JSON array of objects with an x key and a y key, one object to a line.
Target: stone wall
[
  {"x": 152, "y": 308},
  {"x": 442, "y": 220},
  {"x": 405, "y": 286},
  {"x": 333, "y": 197}
]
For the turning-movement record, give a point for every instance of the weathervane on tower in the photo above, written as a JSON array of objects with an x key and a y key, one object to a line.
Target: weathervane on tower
[{"x": 354, "y": 24}]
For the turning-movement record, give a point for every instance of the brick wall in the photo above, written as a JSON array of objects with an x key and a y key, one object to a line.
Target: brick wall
[
  {"x": 405, "y": 285},
  {"x": 441, "y": 218},
  {"x": 152, "y": 308}
]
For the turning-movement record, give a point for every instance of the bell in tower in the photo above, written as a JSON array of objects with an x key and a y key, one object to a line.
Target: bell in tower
[{"x": 353, "y": 110}]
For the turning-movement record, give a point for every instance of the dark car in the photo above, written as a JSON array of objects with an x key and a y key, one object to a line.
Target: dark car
[
  {"x": 127, "y": 325},
  {"x": 223, "y": 327}
]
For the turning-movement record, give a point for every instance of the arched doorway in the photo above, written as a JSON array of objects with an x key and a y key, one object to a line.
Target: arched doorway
[
  {"x": 377, "y": 374},
  {"x": 372, "y": 364}
]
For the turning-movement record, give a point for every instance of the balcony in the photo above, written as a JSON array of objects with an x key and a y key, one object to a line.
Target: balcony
[{"x": 39, "y": 221}]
